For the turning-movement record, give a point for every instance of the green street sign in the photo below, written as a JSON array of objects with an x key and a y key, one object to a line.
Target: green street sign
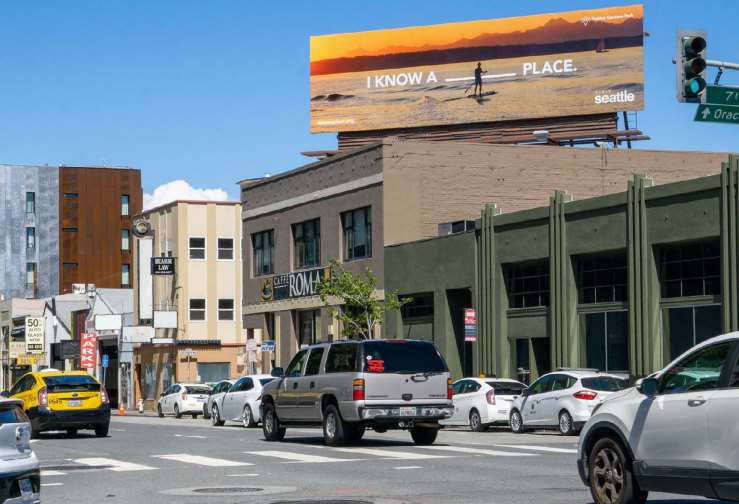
[
  {"x": 722, "y": 95},
  {"x": 717, "y": 113}
]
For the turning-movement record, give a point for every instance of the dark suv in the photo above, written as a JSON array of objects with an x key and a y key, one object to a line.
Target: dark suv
[{"x": 347, "y": 386}]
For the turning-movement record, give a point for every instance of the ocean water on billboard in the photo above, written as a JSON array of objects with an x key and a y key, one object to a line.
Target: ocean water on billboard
[{"x": 346, "y": 99}]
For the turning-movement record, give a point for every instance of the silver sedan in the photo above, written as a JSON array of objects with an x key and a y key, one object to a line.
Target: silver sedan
[
  {"x": 219, "y": 389},
  {"x": 241, "y": 402}
]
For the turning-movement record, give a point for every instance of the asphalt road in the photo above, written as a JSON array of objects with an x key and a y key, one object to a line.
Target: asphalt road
[{"x": 148, "y": 459}]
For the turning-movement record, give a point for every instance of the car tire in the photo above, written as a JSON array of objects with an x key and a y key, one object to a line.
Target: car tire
[
  {"x": 194, "y": 416},
  {"x": 247, "y": 418},
  {"x": 516, "y": 422},
  {"x": 177, "y": 413},
  {"x": 566, "y": 424},
  {"x": 611, "y": 477},
  {"x": 102, "y": 430},
  {"x": 476, "y": 424},
  {"x": 215, "y": 417},
  {"x": 160, "y": 413},
  {"x": 271, "y": 427},
  {"x": 354, "y": 432},
  {"x": 334, "y": 428},
  {"x": 71, "y": 432},
  {"x": 424, "y": 435},
  {"x": 206, "y": 413}
]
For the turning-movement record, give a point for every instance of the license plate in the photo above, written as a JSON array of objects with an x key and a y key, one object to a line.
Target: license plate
[
  {"x": 26, "y": 489},
  {"x": 74, "y": 402},
  {"x": 407, "y": 411}
]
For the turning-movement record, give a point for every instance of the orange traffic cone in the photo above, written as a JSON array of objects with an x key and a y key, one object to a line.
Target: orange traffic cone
[{"x": 121, "y": 411}]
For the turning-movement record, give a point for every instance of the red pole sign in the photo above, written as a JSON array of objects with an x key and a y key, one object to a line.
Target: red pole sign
[
  {"x": 88, "y": 350},
  {"x": 470, "y": 317}
]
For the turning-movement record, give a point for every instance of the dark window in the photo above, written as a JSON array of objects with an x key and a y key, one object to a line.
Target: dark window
[
  {"x": 606, "y": 340},
  {"x": 296, "y": 365},
  {"x": 471, "y": 386},
  {"x": 459, "y": 387},
  {"x": 522, "y": 354},
  {"x": 402, "y": 356},
  {"x": 197, "y": 309},
  {"x": 225, "y": 248},
  {"x": 543, "y": 384},
  {"x": 307, "y": 326},
  {"x": 30, "y": 238},
  {"x": 307, "y": 243},
  {"x": 30, "y": 202},
  {"x": 689, "y": 325},
  {"x": 197, "y": 248},
  {"x": 314, "y": 361},
  {"x": 528, "y": 284},
  {"x": 71, "y": 195},
  {"x": 691, "y": 269},
  {"x": 419, "y": 306},
  {"x": 698, "y": 371},
  {"x": 70, "y": 265},
  {"x": 357, "y": 226},
  {"x": 225, "y": 309},
  {"x": 604, "y": 384},
  {"x": 562, "y": 382},
  {"x": 602, "y": 278},
  {"x": 197, "y": 389},
  {"x": 69, "y": 229},
  {"x": 70, "y": 383},
  {"x": 265, "y": 381},
  {"x": 506, "y": 388},
  {"x": 342, "y": 358},
  {"x": 263, "y": 246}
]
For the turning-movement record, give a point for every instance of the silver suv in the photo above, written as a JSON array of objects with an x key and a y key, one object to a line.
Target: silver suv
[{"x": 347, "y": 386}]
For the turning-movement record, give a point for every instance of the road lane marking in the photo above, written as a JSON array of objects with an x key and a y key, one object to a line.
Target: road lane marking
[
  {"x": 401, "y": 468},
  {"x": 241, "y": 475},
  {"x": 193, "y": 436},
  {"x": 377, "y": 452},
  {"x": 536, "y": 448},
  {"x": 118, "y": 430},
  {"x": 115, "y": 465},
  {"x": 34, "y": 441},
  {"x": 203, "y": 461},
  {"x": 51, "y": 484},
  {"x": 52, "y": 472},
  {"x": 477, "y": 451},
  {"x": 299, "y": 457}
]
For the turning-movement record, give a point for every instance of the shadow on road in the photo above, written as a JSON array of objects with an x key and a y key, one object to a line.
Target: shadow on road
[{"x": 367, "y": 443}]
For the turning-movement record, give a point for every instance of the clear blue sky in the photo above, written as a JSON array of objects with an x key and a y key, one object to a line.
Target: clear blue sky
[{"x": 214, "y": 92}]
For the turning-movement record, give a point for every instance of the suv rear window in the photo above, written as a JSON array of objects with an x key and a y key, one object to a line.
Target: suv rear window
[
  {"x": 342, "y": 358},
  {"x": 69, "y": 383},
  {"x": 12, "y": 413},
  {"x": 401, "y": 356},
  {"x": 604, "y": 384},
  {"x": 506, "y": 388},
  {"x": 198, "y": 390}
]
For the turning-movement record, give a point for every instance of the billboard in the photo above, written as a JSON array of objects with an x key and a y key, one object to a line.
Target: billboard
[
  {"x": 35, "y": 335},
  {"x": 88, "y": 350},
  {"x": 546, "y": 65}
]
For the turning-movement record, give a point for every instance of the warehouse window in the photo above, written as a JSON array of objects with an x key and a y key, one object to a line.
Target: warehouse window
[
  {"x": 30, "y": 275},
  {"x": 124, "y": 204},
  {"x": 71, "y": 195},
  {"x": 125, "y": 275},
  {"x": 197, "y": 309},
  {"x": 689, "y": 325},
  {"x": 691, "y": 269},
  {"x": 263, "y": 247},
  {"x": 197, "y": 248},
  {"x": 357, "y": 226},
  {"x": 602, "y": 278},
  {"x": 225, "y": 249},
  {"x": 528, "y": 284},
  {"x": 125, "y": 239},
  {"x": 30, "y": 238},
  {"x": 225, "y": 309},
  {"x": 30, "y": 202},
  {"x": 307, "y": 243},
  {"x": 606, "y": 340},
  {"x": 418, "y": 306}
]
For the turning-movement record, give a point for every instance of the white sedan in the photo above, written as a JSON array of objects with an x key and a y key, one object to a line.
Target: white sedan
[
  {"x": 481, "y": 402},
  {"x": 183, "y": 399},
  {"x": 241, "y": 402}
]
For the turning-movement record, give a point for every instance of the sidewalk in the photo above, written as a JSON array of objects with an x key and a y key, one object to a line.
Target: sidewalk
[{"x": 134, "y": 412}]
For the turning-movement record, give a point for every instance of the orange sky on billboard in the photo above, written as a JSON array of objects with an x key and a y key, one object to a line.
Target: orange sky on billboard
[{"x": 400, "y": 40}]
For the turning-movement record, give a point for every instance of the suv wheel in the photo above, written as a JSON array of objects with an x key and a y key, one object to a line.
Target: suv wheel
[
  {"x": 424, "y": 435},
  {"x": 215, "y": 417},
  {"x": 271, "y": 424},
  {"x": 476, "y": 422},
  {"x": 334, "y": 428},
  {"x": 611, "y": 476},
  {"x": 517, "y": 422},
  {"x": 566, "y": 425}
]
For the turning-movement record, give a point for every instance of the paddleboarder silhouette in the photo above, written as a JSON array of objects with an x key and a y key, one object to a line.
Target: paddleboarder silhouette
[{"x": 478, "y": 79}]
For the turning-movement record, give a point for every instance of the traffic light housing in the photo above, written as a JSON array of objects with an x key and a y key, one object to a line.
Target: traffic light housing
[{"x": 691, "y": 65}]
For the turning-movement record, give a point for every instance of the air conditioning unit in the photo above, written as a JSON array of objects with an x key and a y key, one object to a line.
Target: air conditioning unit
[{"x": 455, "y": 227}]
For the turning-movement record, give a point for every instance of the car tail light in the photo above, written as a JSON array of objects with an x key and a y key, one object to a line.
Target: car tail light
[
  {"x": 586, "y": 395},
  {"x": 104, "y": 396},
  {"x": 184, "y": 396},
  {"x": 43, "y": 397},
  {"x": 490, "y": 396},
  {"x": 449, "y": 390},
  {"x": 358, "y": 390}
]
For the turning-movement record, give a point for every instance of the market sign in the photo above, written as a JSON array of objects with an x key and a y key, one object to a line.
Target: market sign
[
  {"x": 470, "y": 325},
  {"x": 162, "y": 265},
  {"x": 35, "y": 335},
  {"x": 88, "y": 351},
  {"x": 293, "y": 285},
  {"x": 26, "y": 360},
  {"x": 546, "y": 65}
]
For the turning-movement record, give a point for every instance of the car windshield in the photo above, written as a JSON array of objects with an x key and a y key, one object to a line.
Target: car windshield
[
  {"x": 198, "y": 390},
  {"x": 265, "y": 381},
  {"x": 71, "y": 382},
  {"x": 401, "y": 356},
  {"x": 604, "y": 383},
  {"x": 506, "y": 388}
]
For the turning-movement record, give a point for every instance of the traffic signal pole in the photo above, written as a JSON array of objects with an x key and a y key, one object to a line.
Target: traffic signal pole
[{"x": 721, "y": 65}]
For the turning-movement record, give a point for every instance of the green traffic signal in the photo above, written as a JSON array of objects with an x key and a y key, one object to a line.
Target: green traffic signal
[
  {"x": 695, "y": 86},
  {"x": 694, "y": 66}
]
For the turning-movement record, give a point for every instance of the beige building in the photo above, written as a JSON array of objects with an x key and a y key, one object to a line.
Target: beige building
[{"x": 192, "y": 308}]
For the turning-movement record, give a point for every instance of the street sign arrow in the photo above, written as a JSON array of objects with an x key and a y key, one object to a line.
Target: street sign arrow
[
  {"x": 722, "y": 95},
  {"x": 717, "y": 113}
]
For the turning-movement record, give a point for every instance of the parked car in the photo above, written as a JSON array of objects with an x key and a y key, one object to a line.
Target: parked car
[
  {"x": 63, "y": 400},
  {"x": 183, "y": 399},
  {"x": 563, "y": 400},
  {"x": 676, "y": 431},
  {"x": 240, "y": 403},
  {"x": 348, "y": 386},
  {"x": 481, "y": 402},
  {"x": 216, "y": 392},
  {"x": 20, "y": 480}
]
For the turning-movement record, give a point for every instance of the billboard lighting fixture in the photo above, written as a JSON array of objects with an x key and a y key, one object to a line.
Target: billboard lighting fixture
[{"x": 542, "y": 135}]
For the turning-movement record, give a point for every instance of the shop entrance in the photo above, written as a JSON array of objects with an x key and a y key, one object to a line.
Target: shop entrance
[{"x": 458, "y": 300}]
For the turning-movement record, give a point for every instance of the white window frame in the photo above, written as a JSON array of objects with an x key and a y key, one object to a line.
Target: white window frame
[
  {"x": 205, "y": 310},
  {"x": 232, "y": 310},
  {"x": 233, "y": 248},
  {"x": 205, "y": 249}
]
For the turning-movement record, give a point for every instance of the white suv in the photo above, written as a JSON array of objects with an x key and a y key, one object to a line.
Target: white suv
[
  {"x": 563, "y": 400},
  {"x": 676, "y": 431}
]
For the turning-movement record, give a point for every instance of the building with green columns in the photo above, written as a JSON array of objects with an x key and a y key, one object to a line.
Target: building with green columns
[{"x": 623, "y": 282}]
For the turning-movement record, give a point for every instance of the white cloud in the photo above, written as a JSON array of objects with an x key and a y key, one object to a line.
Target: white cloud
[{"x": 181, "y": 190}]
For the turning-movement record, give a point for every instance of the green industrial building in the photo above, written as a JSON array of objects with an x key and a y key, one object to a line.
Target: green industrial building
[{"x": 623, "y": 282}]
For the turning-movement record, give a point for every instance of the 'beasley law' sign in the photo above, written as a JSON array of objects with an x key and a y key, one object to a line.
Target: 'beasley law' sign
[{"x": 297, "y": 284}]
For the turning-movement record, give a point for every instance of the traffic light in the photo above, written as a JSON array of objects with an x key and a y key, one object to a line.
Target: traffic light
[{"x": 691, "y": 65}]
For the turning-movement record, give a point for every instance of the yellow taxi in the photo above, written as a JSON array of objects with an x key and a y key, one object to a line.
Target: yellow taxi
[{"x": 63, "y": 400}]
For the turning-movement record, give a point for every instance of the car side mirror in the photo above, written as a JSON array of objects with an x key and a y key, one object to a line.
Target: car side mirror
[
  {"x": 525, "y": 392},
  {"x": 5, "y": 393},
  {"x": 648, "y": 386},
  {"x": 278, "y": 372}
]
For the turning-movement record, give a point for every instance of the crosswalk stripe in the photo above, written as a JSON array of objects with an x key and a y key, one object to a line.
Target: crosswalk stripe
[
  {"x": 378, "y": 452},
  {"x": 115, "y": 465},
  {"x": 477, "y": 451},
  {"x": 203, "y": 461},
  {"x": 536, "y": 448},
  {"x": 299, "y": 457},
  {"x": 52, "y": 472}
]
